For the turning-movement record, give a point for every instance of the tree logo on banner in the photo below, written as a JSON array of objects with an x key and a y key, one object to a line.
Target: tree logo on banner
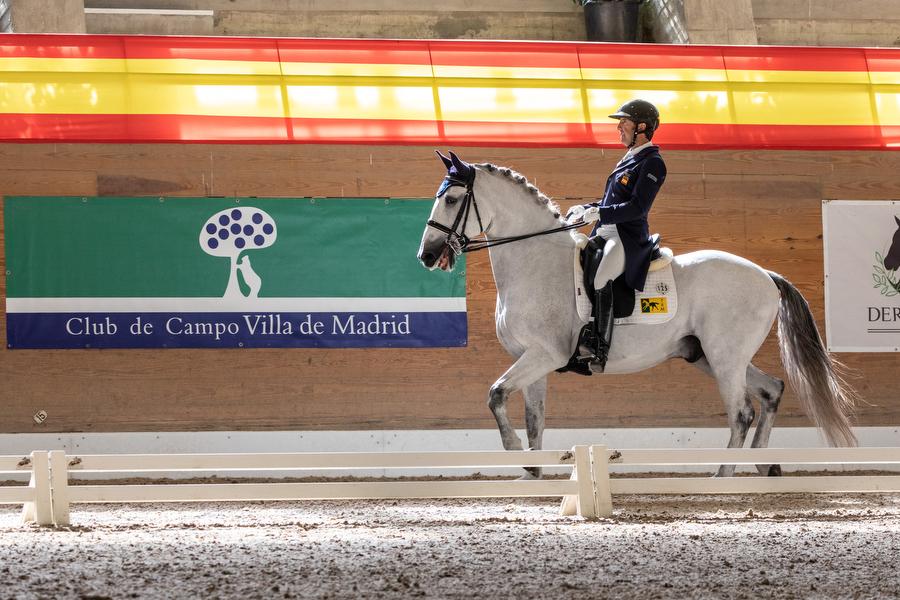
[
  {"x": 233, "y": 232},
  {"x": 885, "y": 274}
]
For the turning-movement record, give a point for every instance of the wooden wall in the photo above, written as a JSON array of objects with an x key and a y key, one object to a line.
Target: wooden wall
[{"x": 764, "y": 205}]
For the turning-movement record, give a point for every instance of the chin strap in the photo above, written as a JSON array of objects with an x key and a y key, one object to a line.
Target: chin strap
[
  {"x": 648, "y": 131},
  {"x": 637, "y": 133}
]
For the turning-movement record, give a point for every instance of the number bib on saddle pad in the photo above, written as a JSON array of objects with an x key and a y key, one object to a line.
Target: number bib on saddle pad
[{"x": 657, "y": 303}]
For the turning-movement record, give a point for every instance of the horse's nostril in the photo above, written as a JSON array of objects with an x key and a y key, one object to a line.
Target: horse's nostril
[{"x": 428, "y": 259}]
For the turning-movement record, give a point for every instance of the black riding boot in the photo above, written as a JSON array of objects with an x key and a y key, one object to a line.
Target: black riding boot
[
  {"x": 594, "y": 342},
  {"x": 603, "y": 322}
]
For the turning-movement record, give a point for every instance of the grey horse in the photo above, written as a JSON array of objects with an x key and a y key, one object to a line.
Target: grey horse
[{"x": 538, "y": 323}]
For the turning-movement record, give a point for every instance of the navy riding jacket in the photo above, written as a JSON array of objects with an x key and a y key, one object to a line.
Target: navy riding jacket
[{"x": 630, "y": 191}]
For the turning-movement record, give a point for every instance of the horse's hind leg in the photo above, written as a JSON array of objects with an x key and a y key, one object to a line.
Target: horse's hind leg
[
  {"x": 740, "y": 414},
  {"x": 769, "y": 390},
  {"x": 733, "y": 389},
  {"x": 535, "y": 394}
]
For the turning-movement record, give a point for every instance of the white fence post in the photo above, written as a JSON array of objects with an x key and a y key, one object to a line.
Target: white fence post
[
  {"x": 28, "y": 507},
  {"x": 587, "y": 505},
  {"x": 59, "y": 487},
  {"x": 39, "y": 511},
  {"x": 600, "y": 477}
]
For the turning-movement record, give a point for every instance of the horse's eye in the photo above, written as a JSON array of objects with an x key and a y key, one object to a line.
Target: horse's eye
[{"x": 450, "y": 200}]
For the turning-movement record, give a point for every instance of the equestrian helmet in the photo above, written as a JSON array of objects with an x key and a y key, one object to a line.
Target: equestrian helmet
[{"x": 639, "y": 111}]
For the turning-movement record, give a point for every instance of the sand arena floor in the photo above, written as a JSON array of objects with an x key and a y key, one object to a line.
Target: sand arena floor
[{"x": 769, "y": 546}]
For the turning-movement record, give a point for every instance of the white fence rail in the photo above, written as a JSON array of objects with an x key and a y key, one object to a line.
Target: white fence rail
[
  {"x": 870, "y": 458},
  {"x": 580, "y": 487},
  {"x": 587, "y": 493},
  {"x": 36, "y": 497}
]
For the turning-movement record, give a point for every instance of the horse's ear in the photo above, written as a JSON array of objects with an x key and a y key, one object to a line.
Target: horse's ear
[
  {"x": 447, "y": 162},
  {"x": 463, "y": 169},
  {"x": 898, "y": 220},
  {"x": 457, "y": 160}
]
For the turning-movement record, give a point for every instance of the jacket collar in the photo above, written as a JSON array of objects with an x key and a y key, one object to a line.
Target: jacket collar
[
  {"x": 636, "y": 150},
  {"x": 642, "y": 153}
]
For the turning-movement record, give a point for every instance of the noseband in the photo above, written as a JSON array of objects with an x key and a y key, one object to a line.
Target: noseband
[{"x": 457, "y": 241}]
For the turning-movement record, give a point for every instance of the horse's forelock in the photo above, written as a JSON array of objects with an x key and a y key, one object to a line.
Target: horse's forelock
[{"x": 520, "y": 179}]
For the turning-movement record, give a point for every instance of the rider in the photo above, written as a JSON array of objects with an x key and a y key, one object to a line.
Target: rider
[{"x": 621, "y": 216}]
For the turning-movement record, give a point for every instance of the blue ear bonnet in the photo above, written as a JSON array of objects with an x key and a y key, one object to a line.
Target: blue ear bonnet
[
  {"x": 445, "y": 185},
  {"x": 459, "y": 173}
]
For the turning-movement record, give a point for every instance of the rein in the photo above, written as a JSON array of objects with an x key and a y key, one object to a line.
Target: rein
[{"x": 460, "y": 243}]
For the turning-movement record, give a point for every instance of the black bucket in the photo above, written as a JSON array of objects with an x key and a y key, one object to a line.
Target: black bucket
[{"x": 612, "y": 20}]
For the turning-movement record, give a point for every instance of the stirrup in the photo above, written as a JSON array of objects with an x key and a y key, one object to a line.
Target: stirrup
[
  {"x": 592, "y": 349},
  {"x": 597, "y": 354},
  {"x": 588, "y": 343},
  {"x": 577, "y": 365},
  {"x": 600, "y": 358}
]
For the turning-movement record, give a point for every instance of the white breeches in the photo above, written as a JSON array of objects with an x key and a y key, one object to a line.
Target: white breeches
[{"x": 613, "y": 263}]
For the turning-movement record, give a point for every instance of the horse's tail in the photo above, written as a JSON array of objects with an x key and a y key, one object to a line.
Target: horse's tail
[{"x": 825, "y": 396}]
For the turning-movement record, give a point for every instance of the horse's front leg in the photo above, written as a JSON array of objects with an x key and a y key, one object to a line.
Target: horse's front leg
[
  {"x": 535, "y": 394},
  {"x": 533, "y": 365}
]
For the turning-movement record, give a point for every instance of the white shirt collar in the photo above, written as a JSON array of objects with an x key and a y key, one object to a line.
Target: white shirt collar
[{"x": 634, "y": 150}]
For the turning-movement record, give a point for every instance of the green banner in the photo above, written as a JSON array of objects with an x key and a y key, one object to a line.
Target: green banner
[{"x": 217, "y": 256}]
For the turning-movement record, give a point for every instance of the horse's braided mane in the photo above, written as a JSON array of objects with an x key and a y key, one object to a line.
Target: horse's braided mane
[{"x": 520, "y": 179}]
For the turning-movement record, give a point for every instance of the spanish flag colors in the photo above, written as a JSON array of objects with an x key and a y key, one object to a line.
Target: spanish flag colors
[{"x": 136, "y": 89}]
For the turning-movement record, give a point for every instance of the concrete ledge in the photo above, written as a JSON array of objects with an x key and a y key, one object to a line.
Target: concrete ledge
[
  {"x": 791, "y": 32},
  {"x": 452, "y": 19},
  {"x": 148, "y": 11},
  {"x": 449, "y": 24},
  {"x": 149, "y": 21},
  {"x": 47, "y": 16},
  {"x": 352, "y": 6}
]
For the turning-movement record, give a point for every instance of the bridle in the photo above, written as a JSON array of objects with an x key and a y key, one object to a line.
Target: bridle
[{"x": 458, "y": 242}]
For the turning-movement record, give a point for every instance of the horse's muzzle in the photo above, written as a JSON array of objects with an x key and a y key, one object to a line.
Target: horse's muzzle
[
  {"x": 427, "y": 259},
  {"x": 442, "y": 260}
]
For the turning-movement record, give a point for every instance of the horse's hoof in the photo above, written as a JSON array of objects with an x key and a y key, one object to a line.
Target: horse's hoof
[
  {"x": 531, "y": 473},
  {"x": 725, "y": 471},
  {"x": 775, "y": 471}
]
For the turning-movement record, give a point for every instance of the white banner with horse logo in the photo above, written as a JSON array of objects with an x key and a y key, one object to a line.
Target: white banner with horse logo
[{"x": 862, "y": 286}]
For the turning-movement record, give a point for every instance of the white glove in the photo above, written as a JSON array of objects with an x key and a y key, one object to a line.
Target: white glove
[
  {"x": 580, "y": 213},
  {"x": 575, "y": 213},
  {"x": 591, "y": 214}
]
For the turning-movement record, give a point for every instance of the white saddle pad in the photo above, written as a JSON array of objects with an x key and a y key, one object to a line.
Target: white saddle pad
[{"x": 656, "y": 304}]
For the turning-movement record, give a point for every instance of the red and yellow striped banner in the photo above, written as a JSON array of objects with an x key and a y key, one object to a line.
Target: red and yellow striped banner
[{"x": 135, "y": 89}]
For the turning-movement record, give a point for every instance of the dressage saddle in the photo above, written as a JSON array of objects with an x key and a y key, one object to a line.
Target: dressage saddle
[{"x": 615, "y": 301}]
